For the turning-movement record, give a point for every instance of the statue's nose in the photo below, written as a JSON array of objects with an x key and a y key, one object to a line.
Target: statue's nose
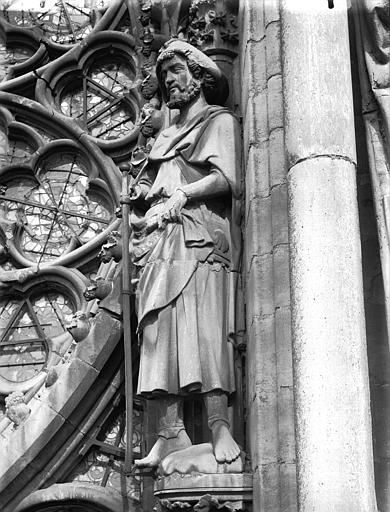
[{"x": 169, "y": 78}]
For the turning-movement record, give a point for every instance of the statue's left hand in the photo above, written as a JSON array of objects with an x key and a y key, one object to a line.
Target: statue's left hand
[{"x": 173, "y": 206}]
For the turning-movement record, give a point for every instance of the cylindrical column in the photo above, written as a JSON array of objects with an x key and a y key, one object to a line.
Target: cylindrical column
[{"x": 333, "y": 424}]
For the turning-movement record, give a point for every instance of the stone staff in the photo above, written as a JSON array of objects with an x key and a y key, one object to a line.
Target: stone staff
[{"x": 126, "y": 316}]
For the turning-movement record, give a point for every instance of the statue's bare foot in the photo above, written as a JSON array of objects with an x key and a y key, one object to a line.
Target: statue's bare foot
[
  {"x": 224, "y": 446},
  {"x": 163, "y": 447}
]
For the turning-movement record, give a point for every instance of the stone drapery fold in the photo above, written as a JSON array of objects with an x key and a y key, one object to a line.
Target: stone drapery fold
[{"x": 373, "y": 43}]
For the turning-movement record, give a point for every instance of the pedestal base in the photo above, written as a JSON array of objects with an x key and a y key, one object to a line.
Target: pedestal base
[{"x": 205, "y": 492}]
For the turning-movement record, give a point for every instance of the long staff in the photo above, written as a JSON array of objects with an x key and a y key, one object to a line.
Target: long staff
[{"x": 126, "y": 316}]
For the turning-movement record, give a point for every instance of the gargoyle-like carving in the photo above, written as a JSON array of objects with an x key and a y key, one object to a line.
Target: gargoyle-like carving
[
  {"x": 98, "y": 288},
  {"x": 112, "y": 249},
  {"x": 79, "y": 326},
  {"x": 16, "y": 409}
]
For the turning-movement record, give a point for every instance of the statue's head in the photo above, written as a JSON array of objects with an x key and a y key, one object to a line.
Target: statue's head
[{"x": 183, "y": 72}]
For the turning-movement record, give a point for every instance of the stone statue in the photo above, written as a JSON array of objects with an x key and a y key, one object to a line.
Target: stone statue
[
  {"x": 373, "y": 35},
  {"x": 185, "y": 246}
]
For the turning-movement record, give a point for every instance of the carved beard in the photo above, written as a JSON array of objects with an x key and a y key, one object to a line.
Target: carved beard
[{"x": 180, "y": 97}]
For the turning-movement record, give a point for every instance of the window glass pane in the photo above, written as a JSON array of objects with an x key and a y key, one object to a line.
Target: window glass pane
[
  {"x": 26, "y": 327},
  {"x": 108, "y": 113},
  {"x": 56, "y": 213}
]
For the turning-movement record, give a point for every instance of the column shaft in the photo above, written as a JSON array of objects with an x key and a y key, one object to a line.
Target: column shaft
[{"x": 333, "y": 423}]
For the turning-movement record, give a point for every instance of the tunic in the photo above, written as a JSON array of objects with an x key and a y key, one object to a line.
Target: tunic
[{"x": 187, "y": 271}]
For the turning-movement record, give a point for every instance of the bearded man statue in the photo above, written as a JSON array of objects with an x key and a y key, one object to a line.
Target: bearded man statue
[{"x": 186, "y": 248}]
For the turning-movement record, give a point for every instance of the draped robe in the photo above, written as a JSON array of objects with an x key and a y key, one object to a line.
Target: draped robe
[{"x": 188, "y": 269}]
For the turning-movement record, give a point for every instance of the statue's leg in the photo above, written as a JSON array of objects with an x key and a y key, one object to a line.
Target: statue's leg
[
  {"x": 172, "y": 435},
  {"x": 224, "y": 446}
]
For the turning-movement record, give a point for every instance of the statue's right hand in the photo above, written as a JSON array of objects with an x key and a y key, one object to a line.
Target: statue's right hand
[{"x": 153, "y": 223}]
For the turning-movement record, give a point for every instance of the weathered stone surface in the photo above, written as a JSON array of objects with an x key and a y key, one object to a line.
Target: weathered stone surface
[
  {"x": 96, "y": 348},
  {"x": 279, "y": 215},
  {"x": 256, "y": 121},
  {"x": 262, "y": 435},
  {"x": 331, "y": 382},
  {"x": 333, "y": 427},
  {"x": 257, "y": 172},
  {"x": 316, "y": 74},
  {"x": 288, "y": 488},
  {"x": 264, "y": 154},
  {"x": 198, "y": 458},
  {"x": 281, "y": 265},
  {"x": 81, "y": 492},
  {"x": 266, "y": 479},
  {"x": 22, "y": 445},
  {"x": 261, "y": 375},
  {"x": 64, "y": 395},
  {"x": 286, "y": 426},
  {"x": 277, "y": 157},
  {"x": 113, "y": 303},
  {"x": 284, "y": 345},
  {"x": 273, "y": 49},
  {"x": 275, "y": 102},
  {"x": 252, "y": 20},
  {"x": 201, "y": 490},
  {"x": 253, "y": 71},
  {"x": 271, "y": 11},
  {"x": 259, "y": 287},
  {"x": 258, "y": 230}
]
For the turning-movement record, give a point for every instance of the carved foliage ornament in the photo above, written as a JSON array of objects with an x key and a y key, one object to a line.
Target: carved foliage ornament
[{"x": 206, "y": 503}]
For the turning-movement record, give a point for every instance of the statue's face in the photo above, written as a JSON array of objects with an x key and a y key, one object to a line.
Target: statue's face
[{"x": 179, "y": 82}]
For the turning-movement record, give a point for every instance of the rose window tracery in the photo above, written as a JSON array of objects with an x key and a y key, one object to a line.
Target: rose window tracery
[
  {"x": 13, "y": 151},
  {"x": 9, "y": 56},
  {"x": 101, "y": 100},
  {"x": 64, "y": 22},
  {"x": 27, "y": 328},
  {"x": 54, "y": 211}
]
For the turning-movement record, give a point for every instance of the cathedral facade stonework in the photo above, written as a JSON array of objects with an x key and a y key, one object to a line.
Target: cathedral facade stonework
[{"x": 194, "y": 255}]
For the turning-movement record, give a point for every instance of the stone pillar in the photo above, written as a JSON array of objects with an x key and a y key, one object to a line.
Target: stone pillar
[
  {"x": 333, "y": 423},
  {"x": 269, "y": 404}
]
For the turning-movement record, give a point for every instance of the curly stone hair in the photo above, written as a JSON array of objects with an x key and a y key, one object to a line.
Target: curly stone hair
[{"x": 208, "y": 81}]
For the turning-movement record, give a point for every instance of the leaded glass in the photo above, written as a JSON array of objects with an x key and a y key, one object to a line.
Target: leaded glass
[
  {"x": 25, "y": 328},
  {"x": 11, "y": 56},
  {"x": 55, "y": 213},
  {"x": 101, "y": 101},
  {"x": 54, "y": 311},
  {"x": 101, "y": 467},
  {"x": 12, "y": 151},
  {"x": 65, "y": 22}
]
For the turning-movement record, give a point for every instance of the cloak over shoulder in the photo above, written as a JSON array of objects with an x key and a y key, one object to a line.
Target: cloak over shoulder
[{"x": 211, "y": 138}]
